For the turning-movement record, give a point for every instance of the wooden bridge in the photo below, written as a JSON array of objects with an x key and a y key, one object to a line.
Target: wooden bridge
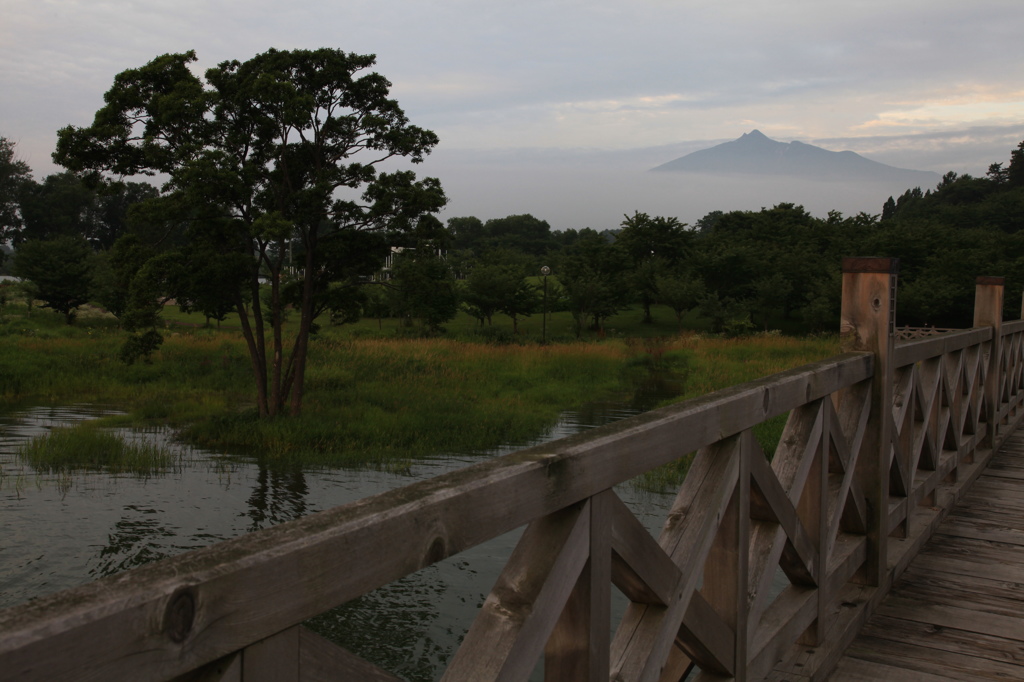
[{"x": 880, "y": 444}]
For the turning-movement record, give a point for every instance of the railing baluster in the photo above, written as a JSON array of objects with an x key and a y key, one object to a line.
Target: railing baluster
[
  {"x": 578, "y": 647},
  {"x": 813, "y": 513},
  {"x": 725, "y": 569}
]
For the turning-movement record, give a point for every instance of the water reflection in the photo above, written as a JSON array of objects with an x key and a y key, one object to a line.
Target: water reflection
[
  {"x": 397, "y": 626},
  {"x": 134, "y": 542},
  {"x": 278, "y": 495}
]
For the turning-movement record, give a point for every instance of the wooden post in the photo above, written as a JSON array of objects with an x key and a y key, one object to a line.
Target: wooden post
[
  {"x": 988, "y": 312},
  {"x": 867, "y": 323}
]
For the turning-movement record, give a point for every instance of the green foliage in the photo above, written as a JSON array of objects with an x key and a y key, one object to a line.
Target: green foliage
[
  {"x": 268, "y": 160},
  {"x": 680, "y": 291},
  {"x": 492, "y": 289},
  {"x": 1015, "y": 171},
  {"x": 15, "y": 175},
  {"x": 423, "y": 288},
  {"x": 654, "y": 245},
  {"x": 59, "y": 206},
  {"x": 140, "y": 347},
  {"x": 61, "y": 270},
  {"x": 594, "y": 275},
  {"x": 467, "y": 232},
  {"x": 644, "y": 236},
  {"x": 66, "y": 204},
  {"x": 727, "y": 316},
  {"x": 375, "y": 303},
  {"x": 523, "y": 233}
]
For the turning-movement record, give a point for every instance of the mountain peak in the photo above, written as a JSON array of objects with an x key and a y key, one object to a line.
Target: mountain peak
[{"x": 755, "y": 153}]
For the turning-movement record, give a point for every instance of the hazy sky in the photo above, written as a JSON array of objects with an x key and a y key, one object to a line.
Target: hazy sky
[{"x": 529, "y": 95}]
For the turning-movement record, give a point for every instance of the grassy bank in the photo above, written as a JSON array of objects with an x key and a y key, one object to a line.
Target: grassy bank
[{"x": 371, "y": 398}]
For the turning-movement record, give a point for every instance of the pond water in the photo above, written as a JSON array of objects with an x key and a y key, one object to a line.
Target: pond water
[{"x": 63, "y": 531}]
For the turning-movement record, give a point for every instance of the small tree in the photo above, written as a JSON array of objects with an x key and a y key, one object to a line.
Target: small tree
[
  {"x": 651, "y": 244},
  {"x": 61, "y": 270},
  {"x": 144, "y": 304},
  {"x": 682, "y": 292},
  {"x": 484, "y": 289},
  {"x": 376, "y": 304},
  {"x": 726, "y": 315},
  {"x": 494, "y": 289},
  {"x": 423, "y": 288},
  {"x": 521, "y": 300},
  {"x": 115, "y": 270},
  {"x": 593, "y": 274}
]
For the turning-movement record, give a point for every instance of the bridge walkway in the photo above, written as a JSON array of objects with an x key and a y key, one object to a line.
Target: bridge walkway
[{"x": 957, "y": 613}]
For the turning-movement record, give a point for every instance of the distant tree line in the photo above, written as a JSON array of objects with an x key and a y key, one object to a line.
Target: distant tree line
[{"x": 777, "y": 267}]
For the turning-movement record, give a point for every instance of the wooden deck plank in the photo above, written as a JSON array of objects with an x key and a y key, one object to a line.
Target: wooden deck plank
[
  {"x": 976, "y": 550},
  {"x": 983, "y": 530},
  {"x": 946, "y": 616},
  {"x": 931, "y": 661},
  {"x": 936, "y": 587},
  {"x": 958, "y": 610},
  {"x": 954, "y": 564},
  {"x": 858, "y": 670},
  {"x": 955, "y": 640},
  {"x": 1009, "y": 473}
]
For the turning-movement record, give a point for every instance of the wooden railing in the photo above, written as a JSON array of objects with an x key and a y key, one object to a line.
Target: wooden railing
[{"x": 878, "y": 443}]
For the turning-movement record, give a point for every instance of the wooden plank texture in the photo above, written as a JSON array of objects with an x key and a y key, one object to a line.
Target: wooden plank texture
[{"x": 958, "y": 610}]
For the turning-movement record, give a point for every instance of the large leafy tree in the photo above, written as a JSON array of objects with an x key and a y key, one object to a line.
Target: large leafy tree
[{"x": 274, "y": 162}]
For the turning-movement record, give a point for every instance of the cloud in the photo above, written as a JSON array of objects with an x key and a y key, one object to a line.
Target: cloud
[{"x": 560, "y": 73}]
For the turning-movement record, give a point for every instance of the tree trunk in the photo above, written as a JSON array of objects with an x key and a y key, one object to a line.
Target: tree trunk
[
  {"x": 277, "y": 390},
  {"x": 256, "y": 357},
  {"x": 301, "y": 351}
]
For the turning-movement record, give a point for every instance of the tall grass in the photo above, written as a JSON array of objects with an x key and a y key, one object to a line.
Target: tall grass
[
  {"x": 375, "y": 400},
  {"x": 372, "y": 399}
]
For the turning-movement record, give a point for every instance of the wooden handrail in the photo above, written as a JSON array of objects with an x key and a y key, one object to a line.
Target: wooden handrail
[{"x": 837, "y": 510}]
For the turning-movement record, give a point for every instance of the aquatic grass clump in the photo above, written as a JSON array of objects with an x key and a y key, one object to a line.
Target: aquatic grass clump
[{"x": 86, "y": 448}]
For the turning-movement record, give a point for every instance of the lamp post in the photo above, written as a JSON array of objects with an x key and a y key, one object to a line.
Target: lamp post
[{"x": 545, "y": 271}]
